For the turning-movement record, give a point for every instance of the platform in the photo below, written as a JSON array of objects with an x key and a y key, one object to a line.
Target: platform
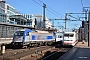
[
  {"x": 5, "y": 41},
  {"x": 78, "y": 52}
]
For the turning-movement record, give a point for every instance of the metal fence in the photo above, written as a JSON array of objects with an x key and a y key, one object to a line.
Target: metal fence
[{"x": 6, "y": 33}]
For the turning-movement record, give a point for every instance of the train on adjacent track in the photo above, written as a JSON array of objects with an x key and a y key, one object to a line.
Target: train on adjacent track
[
  {"x": 27, "y": 37},
  {"x": 70, "y": 38},
  {"x": 59, "y": 37}
]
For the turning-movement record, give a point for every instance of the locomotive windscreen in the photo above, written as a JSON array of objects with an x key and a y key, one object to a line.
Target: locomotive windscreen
[
  {"x": 68, "y": 35},
  {"x": 19, "y": 33}
]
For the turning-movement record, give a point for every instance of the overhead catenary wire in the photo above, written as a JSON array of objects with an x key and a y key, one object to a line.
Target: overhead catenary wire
[
  {"x": 82, "y": 6},
  {"x": 37, "y": 3},
  {"x": 42, "y": 6},
  {"x": 82, "y": 3},
  {"x": 41, "y": 1},
  {"x": 52, "y": 13},
  {"x": 48, "y": 9},
  {"x": 55, "y": 13},
  {"x": 51, "y": 9}
]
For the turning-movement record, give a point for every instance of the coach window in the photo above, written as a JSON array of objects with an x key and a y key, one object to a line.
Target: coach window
[
  {"x": 66, "y": 35},
  {"x": 60, "y": 36},
  {"x": 27, "y": 34},
  {"x": 71, "y": 35}
]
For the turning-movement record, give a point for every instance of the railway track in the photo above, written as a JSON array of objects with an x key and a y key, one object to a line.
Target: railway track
[
  {"x": 55, "y": 54},
  {"x": 35, "y": 53}
]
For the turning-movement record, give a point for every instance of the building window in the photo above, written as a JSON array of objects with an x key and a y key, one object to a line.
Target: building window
[
  {"x": 28, "y": 16},
  {"x": 30, "y": 23},
  {"x": 31, "y": 16},
  {"x": 2, "y": 5},
  {"x": 7, "y": 7}
]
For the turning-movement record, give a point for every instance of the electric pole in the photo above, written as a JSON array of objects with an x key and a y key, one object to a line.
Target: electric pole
[
  {"x": 44, "y": 20},
  {"x": 86, "y": 26},
  {"x": 66, "y": 20}
]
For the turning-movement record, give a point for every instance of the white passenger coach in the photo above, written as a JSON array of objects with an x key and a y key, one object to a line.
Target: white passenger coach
[{"x": 70, "y": 38}]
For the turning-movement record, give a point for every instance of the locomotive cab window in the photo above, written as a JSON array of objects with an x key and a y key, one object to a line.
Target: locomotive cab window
[
  {"x": 19, "y": 33},
  {"x": 59, "y": 36},
  {"x": 71, "y": 35},
  {"x": 27, "y": 34},
  {"x": 68, "y": 35}
]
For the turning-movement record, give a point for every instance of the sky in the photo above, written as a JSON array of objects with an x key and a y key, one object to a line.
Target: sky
[{"x": 56, "y": 9}]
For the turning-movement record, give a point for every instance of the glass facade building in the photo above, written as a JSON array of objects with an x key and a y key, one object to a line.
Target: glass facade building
[
  {"x": 2, "y": 11},
  {"x": 10, "y": 15},
  {"x": 10, "y": 11}
]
